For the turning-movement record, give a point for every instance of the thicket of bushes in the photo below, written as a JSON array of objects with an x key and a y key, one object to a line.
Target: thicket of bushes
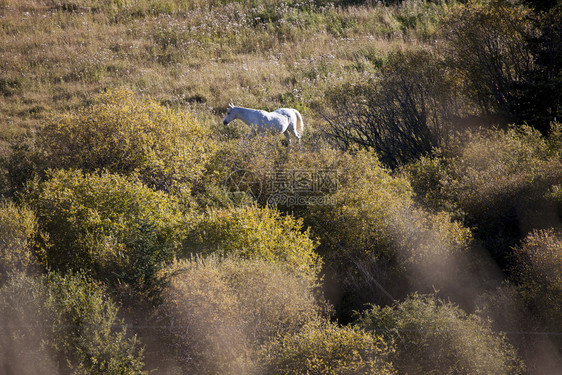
[{"x": 402, "y": 236}]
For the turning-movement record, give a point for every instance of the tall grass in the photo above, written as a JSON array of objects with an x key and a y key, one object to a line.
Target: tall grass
[{"x": 56, "y": 54}]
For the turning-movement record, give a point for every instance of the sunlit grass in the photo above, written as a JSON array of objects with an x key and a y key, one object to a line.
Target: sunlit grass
[{"x": 56, "y": 55}]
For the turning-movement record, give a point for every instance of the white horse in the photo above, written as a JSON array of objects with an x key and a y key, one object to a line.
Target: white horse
[{"x": 282, "y": 120}]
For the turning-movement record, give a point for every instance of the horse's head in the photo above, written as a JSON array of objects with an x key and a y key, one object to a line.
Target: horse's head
[{"x": 229, "y": 114}]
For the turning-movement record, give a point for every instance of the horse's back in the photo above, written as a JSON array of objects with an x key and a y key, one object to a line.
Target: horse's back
[{"x": 295, "y": 120}]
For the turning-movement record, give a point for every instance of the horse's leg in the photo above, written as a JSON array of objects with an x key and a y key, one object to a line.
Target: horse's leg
[
  {"x": 294, "y": 133},
  {"x": 251, "y": 133},
  {"x": 288, "y": 137}
]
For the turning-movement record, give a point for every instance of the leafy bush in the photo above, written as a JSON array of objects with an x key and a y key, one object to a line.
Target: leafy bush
[
  {"x": 509, "y": 312},
  {"x": 245, "y": 167},
  {"x": 18, "y": 226},
  {"x": 221, "y": 310},
  {"x": 433, "y": 336},
  {"x": 325, "y": 348},
  {"x": 113, "y": 227},
  {"x": 66, "y": 323},
  {"x": 369, "y": 228},
  {"x": 537, "y": 269},
  {"x": 86, "y": 329},
  {"x": 255, "y": 233},
  {"x": 24, "y": 162},
  {"x": 125, "y": 134}
]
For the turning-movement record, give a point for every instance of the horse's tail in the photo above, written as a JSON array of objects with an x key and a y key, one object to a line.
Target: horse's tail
[{"x": 299, "y": 128}]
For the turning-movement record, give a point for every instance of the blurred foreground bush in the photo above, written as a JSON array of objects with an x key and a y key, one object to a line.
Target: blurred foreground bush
[
  {"x": 501, "y": 183},
  {"x": 371, "y": 232},
  {"x": 57, "y": 324},
  {"x": 537, "y": 269},
  {"x": 220, "y": 310},
  {"x": 114, "y": 228},
  {"x": 18, "y": 227},
  {"x": 378, "y": 241},
  {"x": 433, "y": 336}
]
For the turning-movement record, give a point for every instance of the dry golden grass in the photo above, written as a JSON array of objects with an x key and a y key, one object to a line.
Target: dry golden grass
[{"x": 55, "y": 55}]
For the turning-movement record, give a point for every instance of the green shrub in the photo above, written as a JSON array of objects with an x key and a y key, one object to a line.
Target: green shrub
[
  {"x": 86, "y": 331},
  {"x": 433, "y": 336},
  {"x": 68, "y": 324},
  {"x": 244, "y": 168},
  {"x": 325, "y": 348},
  {"x": 255, "y": 233},
  {"x": 125, "y": 134},
  {"x": 112, "y": 227},
  {"x": 261, "y": 170},
  {"x": 221, "y": 310},
  {"x": 369, "y": 227},
  {"x": 537, "y": 269},
  {"x": 18, "y": 227},
  {"x": 22, "y": 164}
]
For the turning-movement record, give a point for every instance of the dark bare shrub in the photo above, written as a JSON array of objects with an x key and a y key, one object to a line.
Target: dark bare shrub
[
  {"x": 507, "y": 59},
  {"x": 402, "y": 114}
]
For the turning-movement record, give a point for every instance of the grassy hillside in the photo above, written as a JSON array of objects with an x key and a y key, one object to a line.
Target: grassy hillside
[
  {"x": 57, "y": 54},
  {"x": 416, "y": 229}
]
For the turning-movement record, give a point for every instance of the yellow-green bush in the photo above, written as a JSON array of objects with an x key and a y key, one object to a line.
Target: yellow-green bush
[
  {"x": 113, "y": 227},
  {"x": 325, "y": 348},
  {"x": 220, "y": 310},
  {"x": 18, "y": 226},
  {"x": 373, "y": 234},
  {"x": 433, "y": 336},
  {"x": 127, "y": 134},
  {"x": 369, "y": 227},
  {"x": 255, "y": 233},
  {"x": 56, "y": 324},
  {"x": 244, "y": 168}
]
